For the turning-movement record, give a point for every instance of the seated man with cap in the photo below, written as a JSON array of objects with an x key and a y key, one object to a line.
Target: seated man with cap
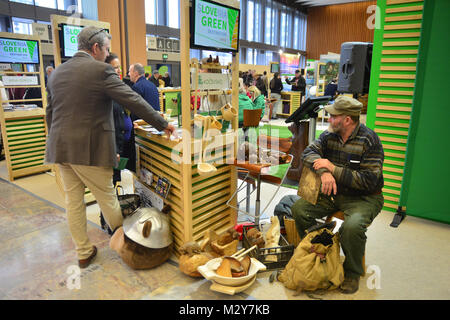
[{"x": 348, "y": 157}]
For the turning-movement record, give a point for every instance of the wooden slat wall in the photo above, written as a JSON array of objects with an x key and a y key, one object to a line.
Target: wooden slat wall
[
  {"x": 397, "y": 73},
  {"x": 330, "y": 26},
  {"x": 26, "y": 146},
  {"x": 209, "y": 193}
]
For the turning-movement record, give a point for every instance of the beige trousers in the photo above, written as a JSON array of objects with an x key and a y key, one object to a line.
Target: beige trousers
[{"x": 99, "y": 181}]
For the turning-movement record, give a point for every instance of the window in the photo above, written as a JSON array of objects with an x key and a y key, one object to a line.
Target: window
[
  {"x": 173, "y": 13},
  {"x": 150, "y": 11},
  {"x": 268, "y": 26},
  {"x": 24, "y": 1},
  {"x": 250, "y": 21},
  {"x": 22, "y": 26},
  {"x": 283, "y": 30},
  {"x": 46, "y": 3}
]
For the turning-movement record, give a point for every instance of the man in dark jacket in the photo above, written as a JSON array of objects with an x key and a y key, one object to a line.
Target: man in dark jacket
[
  {"x": 81, "y": 140},
  {"x": 155, "y": 78},
  {"x": 145, "y": 88},
  {"x": 298, "y": 83}
]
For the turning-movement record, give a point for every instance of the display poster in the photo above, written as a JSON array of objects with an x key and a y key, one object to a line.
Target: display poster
[
  {"x": 310, "y": 75},
  {"x": 19, "y": 51},
  {"x": 70, "y": 41},
  {"x": 216, "y": 26},
  {"x": 289, "y": 63}
]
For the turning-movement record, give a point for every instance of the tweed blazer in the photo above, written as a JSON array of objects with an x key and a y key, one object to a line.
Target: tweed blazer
[{"x": 79, "y": 113}]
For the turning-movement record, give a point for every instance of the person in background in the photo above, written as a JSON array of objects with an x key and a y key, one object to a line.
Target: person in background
[
  {"x": 124, "y": 127},
  {"x": 265, "y": 80},
  {"x": 331, "y": 89},
  {"x": 258, "y": 99},
  {"x": 161, "y": 82},
  {"x": 124, "y": 135},
  {"x": 81, "y": 139},
  {"x": 147, "y": 75},
  {"x": 275, "y": 93},
  {"x": 4, "y": 96},
  {"x": 167, "y": 80},
  {"x": 260, "y": 84},
  {"x": 298, "y": 83},
  {"x": 145, "y": 88},
  {"x": 48, "y": 72},
  {"x": 155, "y": 78},
  {"x": 348, "y": 158},
  {"x": 244, "y": 103}
]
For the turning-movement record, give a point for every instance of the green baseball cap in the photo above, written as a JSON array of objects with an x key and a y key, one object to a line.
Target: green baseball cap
[{"x": 344, "y": 105}]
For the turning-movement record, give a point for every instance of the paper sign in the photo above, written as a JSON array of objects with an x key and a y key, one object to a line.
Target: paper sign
[
  {"x": 20, "y": 81},
  {"x": 148, "y": 197}
]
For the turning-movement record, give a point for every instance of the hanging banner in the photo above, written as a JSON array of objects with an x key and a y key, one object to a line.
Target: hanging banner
[
  {"x": 19, "y": 51},
  {"x": 211, "y": 81}
]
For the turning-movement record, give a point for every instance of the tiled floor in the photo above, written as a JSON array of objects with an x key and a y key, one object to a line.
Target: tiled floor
[{"x": 37, "y": 256}]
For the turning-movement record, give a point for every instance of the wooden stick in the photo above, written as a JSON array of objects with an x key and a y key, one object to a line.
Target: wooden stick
[
  {"x": 241, "y": 255},
  {"x": 237, "y": 252}
]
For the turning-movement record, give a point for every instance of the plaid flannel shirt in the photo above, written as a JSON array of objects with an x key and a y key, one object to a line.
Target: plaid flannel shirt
[{"x": 359, "y": 162}]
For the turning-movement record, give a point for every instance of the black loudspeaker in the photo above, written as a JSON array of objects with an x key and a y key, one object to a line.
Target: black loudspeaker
[{"x": 354, "y": 69}]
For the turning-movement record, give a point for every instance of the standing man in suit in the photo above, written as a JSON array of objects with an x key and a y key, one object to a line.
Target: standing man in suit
[
  {"x": 81, "y": 139},
  {"x": 145, "y": 88}
]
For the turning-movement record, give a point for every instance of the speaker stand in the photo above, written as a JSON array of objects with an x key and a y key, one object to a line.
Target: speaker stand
[{"x": 398, "y": 218}]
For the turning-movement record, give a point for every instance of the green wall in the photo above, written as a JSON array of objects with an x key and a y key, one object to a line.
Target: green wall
[{"x": 426, "y": 189}]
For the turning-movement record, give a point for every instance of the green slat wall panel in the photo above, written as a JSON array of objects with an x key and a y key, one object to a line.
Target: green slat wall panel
[{"x": 394, "y": 67}]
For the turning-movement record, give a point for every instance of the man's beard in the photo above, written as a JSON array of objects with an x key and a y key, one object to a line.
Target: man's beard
[{"x": 336, "y": 130}]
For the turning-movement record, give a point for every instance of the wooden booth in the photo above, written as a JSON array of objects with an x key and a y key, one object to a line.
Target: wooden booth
[
  {"x": 23, "y": 126},
  {"x": 198, "y": 199}
]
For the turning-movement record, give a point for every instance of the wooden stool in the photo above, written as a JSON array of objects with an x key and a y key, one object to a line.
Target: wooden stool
[{"x": 340, "y": 215}]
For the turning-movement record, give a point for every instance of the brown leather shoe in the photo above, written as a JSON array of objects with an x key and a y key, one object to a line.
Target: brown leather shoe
[
  {"x": 86, "y": 262},
  {"x": 350, "y": 285}
]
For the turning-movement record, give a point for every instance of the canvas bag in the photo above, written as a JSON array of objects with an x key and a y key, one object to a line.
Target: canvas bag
[{"x": 314, "y": 266}]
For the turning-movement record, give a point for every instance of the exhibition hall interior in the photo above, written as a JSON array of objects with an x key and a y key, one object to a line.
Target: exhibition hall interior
[{"x": 224, "y": 150}]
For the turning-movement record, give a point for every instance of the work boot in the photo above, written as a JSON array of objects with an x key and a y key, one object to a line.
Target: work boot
[{"x": 350, "y": 285}]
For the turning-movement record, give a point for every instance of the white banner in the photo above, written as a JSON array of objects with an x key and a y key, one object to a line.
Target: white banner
[
  {"x": 212, "y": 81},
  {"x": 20, "y": 81}
]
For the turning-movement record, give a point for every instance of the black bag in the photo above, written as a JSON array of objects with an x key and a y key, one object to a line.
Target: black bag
[{"x": 128, "y": 203}]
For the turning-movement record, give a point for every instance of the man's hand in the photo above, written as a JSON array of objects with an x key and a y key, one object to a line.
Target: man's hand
[
  {"x": 169, "y": 130},
  {"x": 118, "y": 157},
  {"x": 323, "y": 164},
  {"x": 329, "y": 185}
]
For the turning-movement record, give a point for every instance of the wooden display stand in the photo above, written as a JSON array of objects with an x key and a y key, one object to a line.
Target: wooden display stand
[
  {"x": 24, "y": 132},
  {"x": 56, "y": 21},
  {"x": 294, "y": 99},
  {"x": 198, "y": 202}
]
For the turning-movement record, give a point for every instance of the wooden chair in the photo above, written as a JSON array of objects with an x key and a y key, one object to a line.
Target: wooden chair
[{"x": 341, "y": 216}]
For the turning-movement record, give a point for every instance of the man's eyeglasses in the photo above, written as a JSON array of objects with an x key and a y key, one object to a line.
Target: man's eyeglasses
[{"x": 98, "y": 32}]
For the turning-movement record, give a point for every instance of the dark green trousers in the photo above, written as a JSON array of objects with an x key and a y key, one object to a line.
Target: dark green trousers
[{"x": 359, "y": 213}]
